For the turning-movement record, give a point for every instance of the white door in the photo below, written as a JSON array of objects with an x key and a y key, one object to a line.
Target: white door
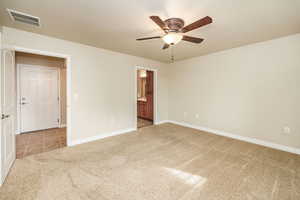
[
  {"x": 39, "y": 97},
  {"x": 8, "y": 115}
]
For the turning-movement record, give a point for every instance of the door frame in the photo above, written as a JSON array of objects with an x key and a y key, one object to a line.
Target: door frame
[
  {"x": 18, "y": 76},
  {"x": 154, "y": 93},
  {"x": 68, "y": 80}
]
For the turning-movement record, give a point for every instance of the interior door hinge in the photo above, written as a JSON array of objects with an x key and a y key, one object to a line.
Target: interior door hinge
[
  {"x": 58, "y": 120},
  {"x": 3, "y": 116}
]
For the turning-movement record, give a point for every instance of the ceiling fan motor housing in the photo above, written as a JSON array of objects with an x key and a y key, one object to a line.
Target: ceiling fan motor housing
[
  {"x": 174, "y": 29},
  {"x": 174, "y": 24}
]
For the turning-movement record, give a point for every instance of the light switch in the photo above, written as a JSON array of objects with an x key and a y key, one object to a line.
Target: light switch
[{"x": 286, "y": 130}]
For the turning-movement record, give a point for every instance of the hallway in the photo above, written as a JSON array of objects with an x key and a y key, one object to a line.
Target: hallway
[{"x": 40, "y": 141}]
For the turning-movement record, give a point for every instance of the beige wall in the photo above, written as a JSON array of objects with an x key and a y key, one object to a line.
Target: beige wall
[
  {"x": 33, "y": 59},
  {"x": 104, "y": 82},
  {"x": 250, "y": 91}
]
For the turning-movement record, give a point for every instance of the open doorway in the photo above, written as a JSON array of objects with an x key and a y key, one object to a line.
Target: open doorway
[
  {"x": 145, "y": 98},
  {"x": 41, "y": 103}
]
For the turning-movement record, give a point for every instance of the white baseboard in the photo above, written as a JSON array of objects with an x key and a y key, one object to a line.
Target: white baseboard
[
  {"x": 242, "y": 138},
  {"x": 101, "y": 136},
  {"x": 161, "y": 122},
  {"x": 209, "y": 130}
]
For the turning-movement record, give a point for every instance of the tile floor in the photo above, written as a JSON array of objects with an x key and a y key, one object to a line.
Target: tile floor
[
  {"x": 40, "y": 141},
  {"x": 143, "y": 123}
]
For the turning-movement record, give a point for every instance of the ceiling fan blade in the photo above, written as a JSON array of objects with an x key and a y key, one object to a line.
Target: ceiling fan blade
[
  {"x": 159, "y": 22},
  {"x": 149, "y": 38},
  {"x": 192, "y": 39},
  {"x": 166, "y": 46},
  {"x": 197, "y": 24}
]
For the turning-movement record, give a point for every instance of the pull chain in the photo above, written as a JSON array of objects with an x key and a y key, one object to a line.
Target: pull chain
[{"x": 172, "y": 54}]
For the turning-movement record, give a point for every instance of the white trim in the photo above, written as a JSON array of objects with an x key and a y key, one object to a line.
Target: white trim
[
  {"x": 36, "y": 51},
  {"x": 155, "y": 85},
  {"x": 101, "y": 136},
  {"x": 162, "y": 122},
  {"x": 59, "y": 95},
  {"x": 242, "y": 138},
  {"x": 18, "y": 128},
  {"x": 69, "y": 79},
  {"x": 69, "y": 96},
  {"x": 1, "y": 174}
]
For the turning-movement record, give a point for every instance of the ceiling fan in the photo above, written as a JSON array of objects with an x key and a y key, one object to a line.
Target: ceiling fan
[{"x": 174, "y": 29}]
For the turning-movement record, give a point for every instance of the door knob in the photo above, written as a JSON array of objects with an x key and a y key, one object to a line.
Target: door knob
[{"x": 4, "y": 116}]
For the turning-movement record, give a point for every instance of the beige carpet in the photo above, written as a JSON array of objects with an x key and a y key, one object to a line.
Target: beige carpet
[{"x": 164, "y": 162}]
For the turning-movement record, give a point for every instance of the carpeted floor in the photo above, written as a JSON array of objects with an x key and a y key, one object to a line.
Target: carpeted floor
[{"x": 164, "y": 162}]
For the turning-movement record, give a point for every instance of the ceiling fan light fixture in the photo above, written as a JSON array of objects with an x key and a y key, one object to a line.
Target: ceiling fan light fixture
[
  {"x": 174, "y": 29},
  {"x": 172, "y": 38}
]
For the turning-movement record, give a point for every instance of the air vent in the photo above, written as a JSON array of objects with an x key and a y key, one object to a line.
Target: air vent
[{"x": 23, "y": 17}]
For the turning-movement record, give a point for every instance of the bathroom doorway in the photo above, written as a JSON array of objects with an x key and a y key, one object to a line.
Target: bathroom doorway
[{"x": 145, "y": 97}]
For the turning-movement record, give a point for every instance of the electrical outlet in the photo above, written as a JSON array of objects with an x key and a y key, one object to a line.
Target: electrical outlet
[
  {"x": 197, "y": 116},
  {"x": 286, "y": 130}
]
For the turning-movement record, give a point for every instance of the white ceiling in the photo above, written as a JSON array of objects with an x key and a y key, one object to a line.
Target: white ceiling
[{"x": 115, "y": 24}]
